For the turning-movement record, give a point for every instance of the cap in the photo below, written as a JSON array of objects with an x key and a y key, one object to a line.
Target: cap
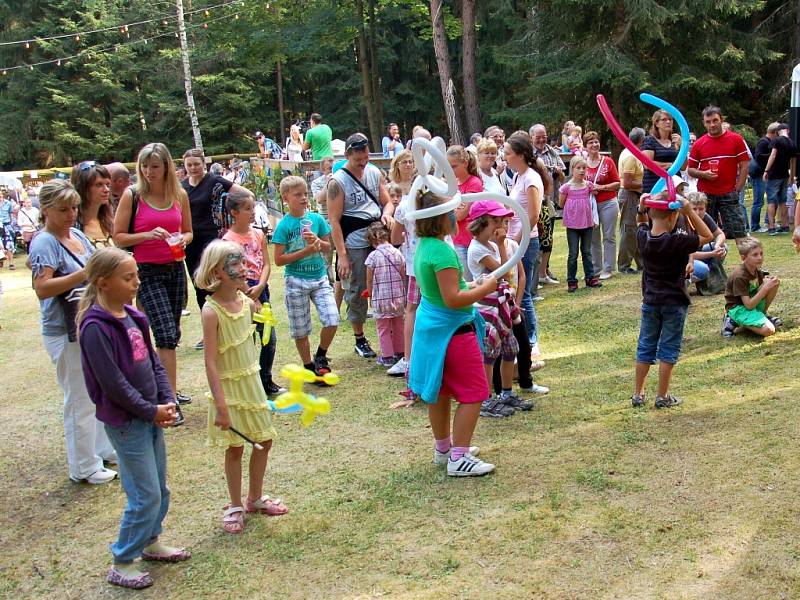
[
  {"x": 678, "y": 181},
  {"x": 489, "y": 207},
  {"x": 357, "y": 141},
  {"x": 782, "y": 126},
  {"x": 258, "y": 133}
]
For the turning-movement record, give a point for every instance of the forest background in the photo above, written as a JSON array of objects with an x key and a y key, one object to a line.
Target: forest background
[{"x": 455, "y": 66}]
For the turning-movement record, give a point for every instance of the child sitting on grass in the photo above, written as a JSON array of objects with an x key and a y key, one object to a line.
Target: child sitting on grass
[
  {"x": 301, "y": 239},
  {"x": 749, "y": 293},
  {"x": 386, "y": 274},
  {"x": 665, "y": 252}
]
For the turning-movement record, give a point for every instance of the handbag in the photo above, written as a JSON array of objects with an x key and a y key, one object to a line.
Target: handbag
[{"x": 593, "y": 198}]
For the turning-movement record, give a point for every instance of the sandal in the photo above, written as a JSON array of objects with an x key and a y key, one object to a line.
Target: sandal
[
  {"x": 267, "y": 506},
  {"x": 180, "y": 554},
  {"x": 233, "y": 520},
  {"x": 134, "y": 583}
]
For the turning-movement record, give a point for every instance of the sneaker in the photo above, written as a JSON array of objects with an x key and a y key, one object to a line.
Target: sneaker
[
  {"x": 604, "y": 275},
  {"x": 772, "y": 231},
  {"x": 492, "y": 407},
  {"x": 776, "y": 321},
  {"x": 593, "y": 282},
  {"x": 321, "y": 366},
  {"x": 398, "y": 369},
  {"x": 629, "y": 271},
  {"x": 516, "y": 402},
  {"x": 536, "y": 389},
  {"x": 539, "y": 286},
  {"x": 638, "y": 400},
  {"x": 273, "y": 389},
  {"x": 763, "y": 229},
  {"x": 441, "y": 458},
  {"x": 572, "y": 286},
  {"x": 547, "y": 280},
  {"x": 363, "y": 349},
  {"x": 386, "y": 361},
  {"x": 780, "y": 230},
  {"x": 99, "y": 477},
  {"x": 185, "y": 313},
  {"x": 182, "y": 398},
  {"x": 728, "y": 327},
  {"x": 179, "y": 419},
  {"x": 552, "y": 277},
  {"x": 667, "y": 401},
  {"x": 468, "y": 466},
  {"x": 537, "y": 298},
  {"x": 199, "y": 345}
]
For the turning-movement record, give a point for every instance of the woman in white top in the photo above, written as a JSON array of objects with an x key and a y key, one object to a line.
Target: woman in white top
[
  {"x": 294, "y": 144},
  {"x": 487, "y": 156}
]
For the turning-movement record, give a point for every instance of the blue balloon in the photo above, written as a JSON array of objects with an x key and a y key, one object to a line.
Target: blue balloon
[
  {"x": 294, "y": 408},
  {"x": 684, "y": 150}
]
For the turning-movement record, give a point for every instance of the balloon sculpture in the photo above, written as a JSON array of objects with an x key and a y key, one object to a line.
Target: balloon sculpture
[
  {"x": 266, "y": 317},
  {"x": 431, "y": 155},
  {"x": 296, "y": 400},
  {"x": 666, "y": 176}
]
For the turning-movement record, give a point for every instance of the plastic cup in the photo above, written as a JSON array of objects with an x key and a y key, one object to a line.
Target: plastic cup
[
  {"x": 306, "y": 224},
  {"x": 175, "y": 242},
  {"x": 714, "y": 164}
]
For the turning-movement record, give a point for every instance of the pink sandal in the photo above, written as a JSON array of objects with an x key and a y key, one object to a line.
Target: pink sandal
[
  {"x": 134, "y": 583},
  {"x": 233, "y": 520},
  {"x": 266, "y": 506}
]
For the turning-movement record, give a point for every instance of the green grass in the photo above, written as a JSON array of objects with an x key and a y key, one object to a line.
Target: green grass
[{"x": 591, "y": 499}]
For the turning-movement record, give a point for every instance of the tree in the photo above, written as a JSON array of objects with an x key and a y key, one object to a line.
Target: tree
[
  {"x": 468, "y": 66},
  {"x": 445, "y": 75}
]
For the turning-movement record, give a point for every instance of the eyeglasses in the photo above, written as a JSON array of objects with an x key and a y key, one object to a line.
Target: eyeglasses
[{"x": 87, "y": 164}]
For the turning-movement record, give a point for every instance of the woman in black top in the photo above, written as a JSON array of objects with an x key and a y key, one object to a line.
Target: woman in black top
[
  {"x": 204, "y": 190},
  {"x": 661, "y": 145}
]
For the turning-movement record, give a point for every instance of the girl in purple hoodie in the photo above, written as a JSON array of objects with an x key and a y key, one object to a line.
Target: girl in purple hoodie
[{"x": 134, "y": 400}]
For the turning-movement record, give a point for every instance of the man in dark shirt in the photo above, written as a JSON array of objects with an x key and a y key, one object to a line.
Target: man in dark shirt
[
  {"x": 776, "y": 176},
  {"x": 757, "y": 165}
]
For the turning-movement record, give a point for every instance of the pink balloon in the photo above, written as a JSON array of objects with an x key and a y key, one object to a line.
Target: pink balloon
[{"x": 620, "y": 134}]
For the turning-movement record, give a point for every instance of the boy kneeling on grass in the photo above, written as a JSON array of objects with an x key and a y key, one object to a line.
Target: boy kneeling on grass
[
  {"x": 749, "y": 293},
  {"x": 665, "y": 251}
]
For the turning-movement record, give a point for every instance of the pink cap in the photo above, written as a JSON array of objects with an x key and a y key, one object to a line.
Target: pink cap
[{"x": 489, "y": 207}]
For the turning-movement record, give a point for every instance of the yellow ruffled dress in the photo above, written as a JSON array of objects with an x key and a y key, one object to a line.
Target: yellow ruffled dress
[{"x": 237, "y": 365}]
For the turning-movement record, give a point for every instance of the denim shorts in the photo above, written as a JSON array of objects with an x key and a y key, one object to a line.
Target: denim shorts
[{"x": 661, "y": 333}]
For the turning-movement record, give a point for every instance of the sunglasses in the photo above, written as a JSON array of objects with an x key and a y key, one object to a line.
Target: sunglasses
[{"x": 87, "y": 164}]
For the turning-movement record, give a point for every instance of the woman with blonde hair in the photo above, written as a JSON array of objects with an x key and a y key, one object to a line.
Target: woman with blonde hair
[
  {"x": 661, "y": 145},
  {"x": 58, "y": 258},
  {"x": 402, "y": 170},
  {"x": 155, "y": 220},
  {"x": 294, "y": 144}
]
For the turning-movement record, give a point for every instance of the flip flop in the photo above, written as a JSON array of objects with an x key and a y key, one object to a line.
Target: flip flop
[
  {"x": 178, "y": 555},
  {"x": 267, "y": 506},
  {"x": 233, "y": 520},
  {"x": 134, "y": 583}
]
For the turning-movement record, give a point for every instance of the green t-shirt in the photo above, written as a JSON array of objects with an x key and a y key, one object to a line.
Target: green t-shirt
[
  {"x": 432, "y": 255},
  {"x": 288, "y": 233},
  {"x": 320, "y": 139}
]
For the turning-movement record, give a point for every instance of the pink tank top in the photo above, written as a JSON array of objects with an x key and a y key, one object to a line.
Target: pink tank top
[{"x": 148, "y": 218}]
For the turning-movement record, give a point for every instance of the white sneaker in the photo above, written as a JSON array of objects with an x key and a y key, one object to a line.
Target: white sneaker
[
  {"x": 398, "y": 369},
  {"x": 604, "y": 275},
  {"x": 548, "y": 280},
  {"x": 536, "y": 389},
  {"x": 441, "y": 458},
  {"x": 468, "y": 466},
  {"x": 99, "y": 477}
]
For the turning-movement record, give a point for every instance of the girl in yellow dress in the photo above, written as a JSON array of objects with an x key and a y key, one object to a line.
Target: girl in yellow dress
[{"x": 238, "y": 398}]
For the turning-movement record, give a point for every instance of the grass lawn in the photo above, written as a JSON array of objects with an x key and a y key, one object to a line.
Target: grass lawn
[{"x": 591, "y": 499}]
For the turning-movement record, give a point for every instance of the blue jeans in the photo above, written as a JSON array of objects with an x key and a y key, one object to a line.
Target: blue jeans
[
  {"x": 530, "y": 261},
  {"x": 582, "y": 238},
  {"x": 759, "y": 189},
  {"x": 701, "y": 271},
  {"x": 142, "y": 458},
  {"x": 661, "y": 333}
]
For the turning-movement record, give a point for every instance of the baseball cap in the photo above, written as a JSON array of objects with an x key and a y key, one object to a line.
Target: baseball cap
[
  {"x": 488, "y": 207},
  {"x": 678, "y": 181},
  {"x": 782, "y": 126},
  {"x": 258, "y": 133},
  {"x": 357, "y": 141}
]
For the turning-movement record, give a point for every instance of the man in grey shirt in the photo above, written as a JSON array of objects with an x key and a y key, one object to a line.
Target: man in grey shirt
[{"x": 357, "y": 196}]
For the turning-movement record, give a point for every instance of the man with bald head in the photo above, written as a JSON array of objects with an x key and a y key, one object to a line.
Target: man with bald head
[{"x": 120, "y": 181}]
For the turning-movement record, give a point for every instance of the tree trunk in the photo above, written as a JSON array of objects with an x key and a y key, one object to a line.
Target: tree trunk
[
  {"x": 362, "y": 54},
  {"x": 471, "y": 107},
  {"x": 375, "y": 77},
  {"x": 281, "y": 124},
  {"x": 187, "y": 77},
  {"x": 445, "y": 76}
]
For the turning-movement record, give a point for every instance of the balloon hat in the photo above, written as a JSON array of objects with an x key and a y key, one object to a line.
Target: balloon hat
[
  {"x": 431, "y": 155},
  {"x": 665, "y": 176},
  {"x": 296, "y": 400}
]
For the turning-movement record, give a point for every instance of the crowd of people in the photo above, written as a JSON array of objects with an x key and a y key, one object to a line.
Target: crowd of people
[{"x": 112, "y": 258}]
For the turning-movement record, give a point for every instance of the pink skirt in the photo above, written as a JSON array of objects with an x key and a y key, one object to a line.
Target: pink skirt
[{"x": 464, "y": 378}]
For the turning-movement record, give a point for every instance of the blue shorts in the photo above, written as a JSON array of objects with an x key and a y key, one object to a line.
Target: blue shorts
[{"x": 661, "y": 333}]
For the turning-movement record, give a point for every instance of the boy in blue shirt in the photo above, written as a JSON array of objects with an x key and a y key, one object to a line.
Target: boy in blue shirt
[
  {"x": 301, "y": 240},
  {"x": 665, "y": 246}
]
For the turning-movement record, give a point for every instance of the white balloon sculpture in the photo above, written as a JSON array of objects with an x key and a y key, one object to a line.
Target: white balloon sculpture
[{"x": 432, "y": 154}]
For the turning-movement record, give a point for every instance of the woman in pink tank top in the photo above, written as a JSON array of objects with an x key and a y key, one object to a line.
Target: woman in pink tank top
[{"x": 146, "y": 218}]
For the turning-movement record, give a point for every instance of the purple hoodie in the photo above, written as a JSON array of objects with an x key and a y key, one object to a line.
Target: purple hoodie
[{"x": 110, "y": 375}]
